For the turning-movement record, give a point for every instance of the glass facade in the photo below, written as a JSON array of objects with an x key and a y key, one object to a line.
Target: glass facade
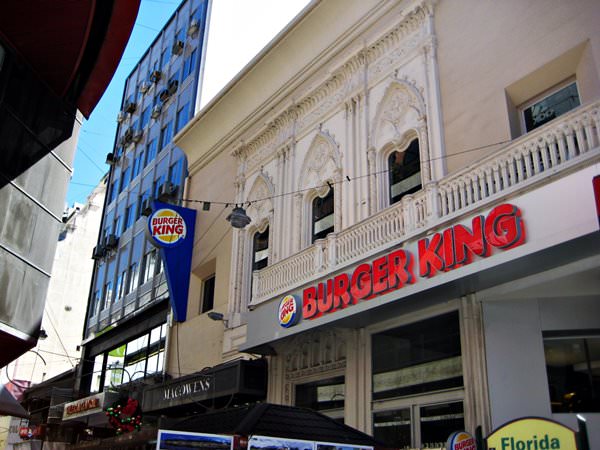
[{"x": 155, "y": 102}]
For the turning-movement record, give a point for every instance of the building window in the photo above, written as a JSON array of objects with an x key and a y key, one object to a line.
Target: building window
[
  {"x": 326, "y": 396},
  {"x": 176, "y": 172},
  {"x": 117, "y": 226},
  {"x": 572, "y": 367},
  {"x": 138, "y": 358},
  {"x": 189, "y": 64},
  {"x": 166, "y": 134},
  {"x": 143, "y": 202},
  {"x": 137, "y": 165},
  {"x": 133, "y": 277},
  {"x": 129, "y": 217},
  {"x": 260, "y": 250},
  {"x": 125, "y": 178},
  {"x": 404, "y": 172},
  {"x": 183, "y": 115},
  {"x": 158, "y": 185},
  {"x": 322, "y": 216},
  {"x": 150, "y": 152},
  {"x": 107, "y": 295},
  {"x": 95, "y": 303},
  {"x": 416, "y": 383},
  {"x": 145, "y": 117},
  {"x": 148, "y": 266},
  {"x": 208, "y": 294},
  {"x": 165, "y": 56},
  {"x": 120, "y": 287},
  {"x": 550, "y": 106}
]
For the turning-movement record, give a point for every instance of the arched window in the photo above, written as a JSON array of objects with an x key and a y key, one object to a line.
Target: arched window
[
  {"x": 322, "y": 216},
  {"x": 260, "y": 250},
  {"x": 404, "y": 172}
]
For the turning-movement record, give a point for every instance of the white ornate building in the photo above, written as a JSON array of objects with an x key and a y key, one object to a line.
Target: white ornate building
[{"x": 370, "y": 143}]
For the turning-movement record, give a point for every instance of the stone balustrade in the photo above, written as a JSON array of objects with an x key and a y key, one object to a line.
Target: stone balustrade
[{"x": 555, "y": 148}]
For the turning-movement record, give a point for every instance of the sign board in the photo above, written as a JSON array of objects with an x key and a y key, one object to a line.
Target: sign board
[
  {"x": 181, "y": 440},
  {"x": 86, "y": 406},
  {"x": 532, "y": 433},
  {"x": 501, "y": 229},
  {"x": 171, "y": 229}
]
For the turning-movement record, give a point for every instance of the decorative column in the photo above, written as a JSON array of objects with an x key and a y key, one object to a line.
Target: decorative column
[
  {"x": 237, "y": 245},
  {"x": 372, "y": 193},
  {"x": 298, "y": 223},
  {"x": 477, "y": 408}
]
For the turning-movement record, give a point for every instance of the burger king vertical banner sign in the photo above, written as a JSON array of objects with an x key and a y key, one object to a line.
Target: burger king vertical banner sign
[{"x": 171, "y": 229}]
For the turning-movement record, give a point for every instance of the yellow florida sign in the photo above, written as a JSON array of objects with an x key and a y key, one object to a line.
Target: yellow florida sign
[{"x": 532, "y": 433}]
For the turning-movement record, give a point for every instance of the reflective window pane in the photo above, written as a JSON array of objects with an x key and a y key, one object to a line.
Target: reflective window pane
[
  {"x": 439, "y": 421},
  {"x": 393, "y": 427}
]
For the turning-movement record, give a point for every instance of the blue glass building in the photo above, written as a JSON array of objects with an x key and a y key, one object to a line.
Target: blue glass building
[{"x": 125, "y": 329}]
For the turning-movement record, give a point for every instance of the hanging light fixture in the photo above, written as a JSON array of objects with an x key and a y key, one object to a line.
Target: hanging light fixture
[{"x": 238, "y": 218}]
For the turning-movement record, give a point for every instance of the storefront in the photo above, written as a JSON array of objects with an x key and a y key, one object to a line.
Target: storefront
[
  {"x": 229, "y": 384},
  {"x": 484, "y": 318}
]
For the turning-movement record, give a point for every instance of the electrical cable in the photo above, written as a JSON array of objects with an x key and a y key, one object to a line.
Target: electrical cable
[{"x": 346, "y": 178}]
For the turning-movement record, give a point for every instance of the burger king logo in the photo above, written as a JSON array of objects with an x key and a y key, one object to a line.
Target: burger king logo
[
  {"x": 289, "y": 311},
  {"x": 166, "y": 227},
  {"x": 461, "y": 440}
]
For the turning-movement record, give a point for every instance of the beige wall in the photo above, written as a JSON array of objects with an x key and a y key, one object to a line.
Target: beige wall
[
  {"x": 201, "y": 339},
  {"x": 486, "y": 47}
]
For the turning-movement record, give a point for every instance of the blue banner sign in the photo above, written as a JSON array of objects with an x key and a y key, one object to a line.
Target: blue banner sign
[{"x": 171, "y": 229}]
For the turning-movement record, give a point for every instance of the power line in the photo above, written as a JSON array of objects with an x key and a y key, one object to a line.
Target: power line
[
  {"x": 331, "y": 183},
  {"x": 79, "y": 147}
]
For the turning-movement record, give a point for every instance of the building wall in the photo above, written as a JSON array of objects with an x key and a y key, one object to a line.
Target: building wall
[
  {"x": 28, "y": 236},
  {"x": 158, "y": 100},
  {"x": 487, "y": 68},
  {"x": 64, "y": 312},
  {"x": 387, "y": 73}
]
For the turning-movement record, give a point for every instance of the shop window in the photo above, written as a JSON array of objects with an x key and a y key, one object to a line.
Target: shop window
[
  {"x": 404, "y": 172},
  {"x": 260, "y": 250},
  {"x": 326, "y": 396},
  {"x": 549, "y": 105},
  {"x": 573, "y": 370},
  {"x": 417, "y": 358},
  {"x": 322, "y": 216},
  {"x": 208, "y": 294},
  {"x": 419, "y": 425},
  {"x": 417, "y": 383},
  {"x": 134, "y": 359}
]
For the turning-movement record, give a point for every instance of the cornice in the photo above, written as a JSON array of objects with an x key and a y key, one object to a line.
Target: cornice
[{"x": 377, "y": 58}]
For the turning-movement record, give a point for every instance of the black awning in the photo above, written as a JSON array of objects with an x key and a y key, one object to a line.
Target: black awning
[{"x": 267, "y": 419}]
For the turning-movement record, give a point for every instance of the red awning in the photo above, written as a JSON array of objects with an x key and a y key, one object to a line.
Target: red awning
[{"x": 74, "y": 46}]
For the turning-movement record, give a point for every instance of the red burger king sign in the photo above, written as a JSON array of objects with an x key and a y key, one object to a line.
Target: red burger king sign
[{"x": 166, "y": 227}]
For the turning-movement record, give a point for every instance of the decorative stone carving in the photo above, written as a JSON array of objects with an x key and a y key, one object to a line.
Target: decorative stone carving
[{"x": 314, "y": 352}]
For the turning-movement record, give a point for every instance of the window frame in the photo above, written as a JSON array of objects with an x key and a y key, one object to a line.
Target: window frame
[
  {"x": 314, "y": 236},
  {"x": 542, "y": 96},
  {"x": 390, "y": 185},
  {"x": 209, "y": 281}
]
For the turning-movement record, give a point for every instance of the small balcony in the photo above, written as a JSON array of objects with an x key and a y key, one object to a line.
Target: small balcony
[{"x": 560, "y": 147}]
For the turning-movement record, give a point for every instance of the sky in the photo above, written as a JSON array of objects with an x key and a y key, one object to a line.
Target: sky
[{"x": 239, "y": 29}]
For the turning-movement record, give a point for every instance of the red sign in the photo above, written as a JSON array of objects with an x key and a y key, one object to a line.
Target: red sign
[
  {"x": 83, "y": 405},
  {"x": 502, "y": 229}
]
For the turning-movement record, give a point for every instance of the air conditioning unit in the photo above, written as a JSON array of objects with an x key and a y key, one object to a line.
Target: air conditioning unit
[
  {"x": 111, "y": 159},
  {"x": 156, "y": 110},
  {"x": 155, "y": 76},
  {"x": 120, "y": 117},
  {"x": 127, "y": 137},
  {"x": 146, "y": 207},
  {"x": 99, "y": 252},
  {"x": 112, "y": 242},
  {"x": 137, "y": 136},
  {"x": 130, "y": 107},
  {"x": 144, "y": 87},
  {"x": 167, "y": 190},
  {"x": 164, "y": 95},
  {"x": 172, "y": 87},
  {"x": 193, "y": 28},
  {"x": 177, "y": 48}
]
